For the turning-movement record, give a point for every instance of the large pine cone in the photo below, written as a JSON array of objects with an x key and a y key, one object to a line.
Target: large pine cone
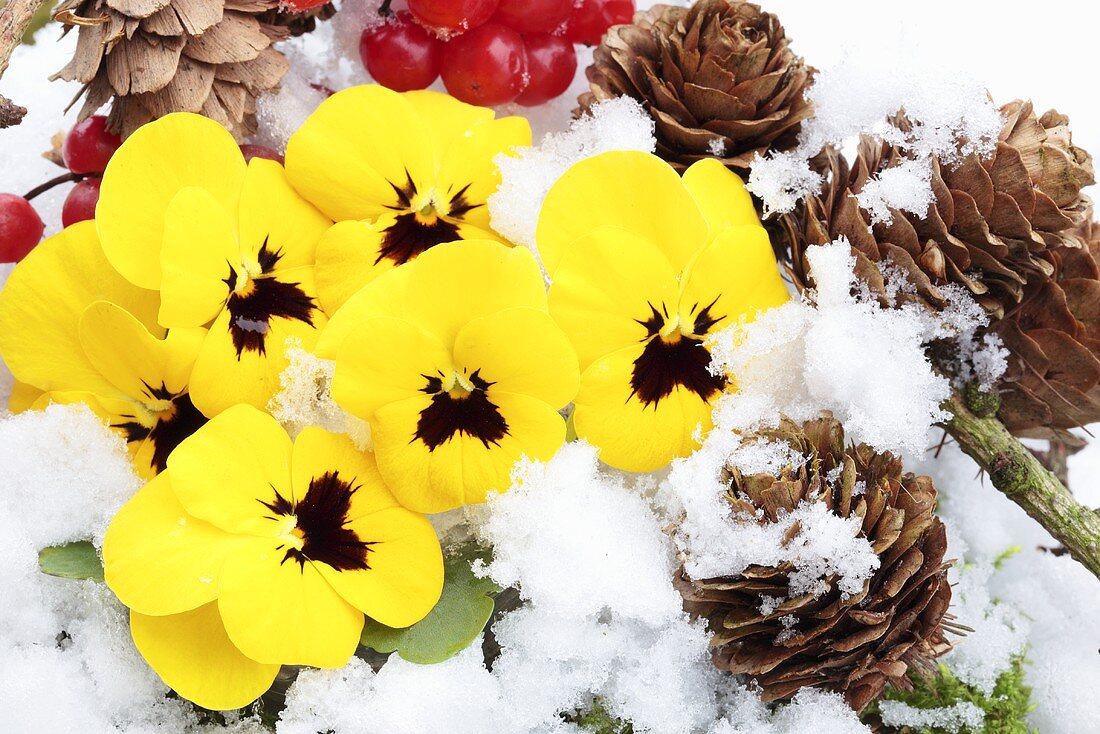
[
  {"x": 1001, "y": 227},
  {"x": 154, "y": 57},
  {"x": 855, "y": 644},
  {"x": 718, "y": 78}
]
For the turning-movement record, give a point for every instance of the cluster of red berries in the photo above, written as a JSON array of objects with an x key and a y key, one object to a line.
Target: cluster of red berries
[
  {"x": 489, "y": 52},
  {"x": 86, "y": 150}
]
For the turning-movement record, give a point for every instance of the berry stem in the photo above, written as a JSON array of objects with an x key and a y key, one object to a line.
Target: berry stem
[
  {"x": 44, "y": 187},
  {"x": 384, "y": 10}
]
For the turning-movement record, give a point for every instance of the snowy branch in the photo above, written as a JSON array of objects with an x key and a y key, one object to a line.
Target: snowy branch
[{"x": 1017, "y": 473}]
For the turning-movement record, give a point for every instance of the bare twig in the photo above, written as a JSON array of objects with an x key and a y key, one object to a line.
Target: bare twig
[
  {"x": 1022, "y": 478},
  {"x": 15, "y": 16}
]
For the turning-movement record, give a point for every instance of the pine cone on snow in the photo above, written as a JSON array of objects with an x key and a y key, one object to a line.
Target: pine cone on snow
[
  {"x": 154, "y": 57},
  {"x": 853, "y": 644},
  {"x": 718, "y": 78},
  {"x": 1004, "y": 228}
]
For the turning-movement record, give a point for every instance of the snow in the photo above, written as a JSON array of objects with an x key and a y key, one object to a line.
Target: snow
[
  {"x": 960, "y": 716},
  {"x": 907, "y": 187},
  {"x": 305, "y": 398}
]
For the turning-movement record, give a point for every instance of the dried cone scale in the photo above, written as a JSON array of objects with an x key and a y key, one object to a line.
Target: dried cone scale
[
  {"x": 857, "y": 644},
  {"x": 1004, "y": 228},
  {"x": 718, "y": 78},
  {"x": 154, "y": 57}
]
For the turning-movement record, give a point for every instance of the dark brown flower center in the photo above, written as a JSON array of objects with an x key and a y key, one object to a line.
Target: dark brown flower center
[
  {"x": 261, "y": 299},
  {"x": 459, "y": 410},
  {"x": 320, "y": 528},
  {"x": 676, "y": 358},
  {"x": 175, "y": 422},
  {"x": 420, "y": 226}
]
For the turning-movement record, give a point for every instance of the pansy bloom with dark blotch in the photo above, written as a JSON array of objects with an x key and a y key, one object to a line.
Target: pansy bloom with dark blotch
[
  {"x": 252, "y": 551},
  {"x": 234, "y": 251},
  {"x": 399, "y": 173},
  {"x": 645, "y": 265},
  {"x": 459, "y": 368},
  {"x": 73, "y": 330}
]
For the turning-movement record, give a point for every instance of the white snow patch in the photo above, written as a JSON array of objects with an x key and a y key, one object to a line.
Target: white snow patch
[
  {"x": 960, "y": 716},
  {"x": 305, "y": 398}
]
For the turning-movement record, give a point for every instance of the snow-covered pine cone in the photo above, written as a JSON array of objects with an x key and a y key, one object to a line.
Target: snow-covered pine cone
[
  {"x": 1006, "y": 229},
  {"x": 154, "y": 57},
  {"x": 851, "y": 643},
  {"x": 718, "y": 78}
]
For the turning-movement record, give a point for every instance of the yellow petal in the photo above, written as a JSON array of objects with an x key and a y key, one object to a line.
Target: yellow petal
[
  {"x": 447, "y": 118},
  {"x": 358, "y": 145},
  {"x": 736, "y": 276},
  {"x": 463, "y": 469},
  {"x": 223, "y": 377},
  {"x": 159, "y": 560},
  {"x": 175, "y": 152},
  {"x": 607, "y": 288},
  {"x": 469, "y": 167},
  {"x": 636, "y": 191},
  {"x": 454, "y": 283},
  {"x": 383, "y": 296},
  {"x": 347, "y": 259},
  {"x": 276, "y": 610},
  {"x": 135, "y": 361},
  {"x": 385, "y": 360},
  {"x": 23, "y": 397},
  {"x": 317, "y": 452},
  {"x": 273, "y": 214},
  {"x": 43, "y": 301},
  {"x": 195, "y": 658},
  {"x": 199, "y": 252},
  {"x": 720, "y": 195},
  {"x": 520, "y": 350},
  {"x": 631, "y": 435},
  {"x": 405, "y": 578},
  {"x": 224, "y": 471}
]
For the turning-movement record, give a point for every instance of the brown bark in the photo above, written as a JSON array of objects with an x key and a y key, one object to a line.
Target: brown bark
[{"x": 15, "y": 16}]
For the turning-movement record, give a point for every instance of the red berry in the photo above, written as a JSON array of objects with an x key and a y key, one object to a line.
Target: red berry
[
  {"x": 300, "y": 5},
  {"x": 533, "y": 16},
  {"x": 593, "y": 17},
  {"x": 89, "y": 145},
  {"x": 486, "y": 66},
  {"x": 261, "y": 151},
  {"x": 20, "y": 228},
  {"x": 551, "y": 66},
  {"x": 80, "y": 203},
  {"x": 400, "y": 54},
  {"x": 453, "y": 15}
]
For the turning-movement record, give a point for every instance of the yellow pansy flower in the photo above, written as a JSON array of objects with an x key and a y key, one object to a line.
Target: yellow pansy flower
[
  {"x": 73, "y": 330},
  {"x": 229, "y": 245},
  {"x": 459, "y": 368},
  {"x": 400, "y": 173},
  {"x": 644, "y": 266},
  {"x": 252, "y": 551}
]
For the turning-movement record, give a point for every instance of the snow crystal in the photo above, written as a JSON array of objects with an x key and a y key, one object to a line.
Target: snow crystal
[
  {"x": 1084, "y": 468},
  {"x": 280, "y": 113},
  {"x": 907, "y": 187},
  {"x": 526, "y": 177},
  {"x": 809, "y": 710},
  {"x": 781, "y": 180},
  {"x": 960, "y": 716},
  {"x": 305, "y": 398}
]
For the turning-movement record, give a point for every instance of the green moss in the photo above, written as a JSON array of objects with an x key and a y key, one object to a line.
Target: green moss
[
  {"x": 598, "y": 721},
  {"x": 1004, "y": 709}
]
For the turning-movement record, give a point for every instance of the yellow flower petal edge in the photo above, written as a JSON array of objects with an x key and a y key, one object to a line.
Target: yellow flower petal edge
[
  {"x": 177, "y": 151},
  {"x": 643, "y": 273},
  {"x": 252, "y": 551},
  {"x": 460, "y": 374}
]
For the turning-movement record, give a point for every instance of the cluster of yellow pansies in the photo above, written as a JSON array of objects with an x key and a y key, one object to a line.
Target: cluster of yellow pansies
[{"x": 171, "y": 313}]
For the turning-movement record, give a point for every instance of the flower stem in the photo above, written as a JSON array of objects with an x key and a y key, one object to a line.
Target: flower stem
[
  {"x": 1021, "y": 477},
  {"x": 44, "y": 187},
  {"x": 384, "y": 10}
]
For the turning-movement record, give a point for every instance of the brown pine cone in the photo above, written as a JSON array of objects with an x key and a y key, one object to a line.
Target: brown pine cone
[
  {"x": 718, "y": 78},
  {"x": 851, "y": 644},
  {"x": 154, "y": 57},
  {"x": 1003, "y": 228}
]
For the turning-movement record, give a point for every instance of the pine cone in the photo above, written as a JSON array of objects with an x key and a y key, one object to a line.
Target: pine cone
[
  {"x": 718, "y": 78},
  {"x": 853, "y": 644},
  {"x": 1003, "y": 228},
  {"x": 154, "y": 57}
]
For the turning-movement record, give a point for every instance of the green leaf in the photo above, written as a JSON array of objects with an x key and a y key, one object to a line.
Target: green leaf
[
  {"x": 459, "y": 617},
  {"x": 77, "y": 560}
]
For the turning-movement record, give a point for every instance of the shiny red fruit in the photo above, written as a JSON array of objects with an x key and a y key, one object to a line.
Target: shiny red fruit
[
  {"x": 453, "y": 15},
  {"x": 551, "y": 66},
  {"x": 533, "y": 16},
  {"x": 486, "y": 66},
  {"x": 20, "y": 228},
  {"x": 260, "y": 151},
  {"x": 400, "y": 54},
  {"x": 89, "y": 146},
  {"x": 300, "y": 5},
  {"x": 592, "y": 18},
  {"x": 80, "y": 203}
]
